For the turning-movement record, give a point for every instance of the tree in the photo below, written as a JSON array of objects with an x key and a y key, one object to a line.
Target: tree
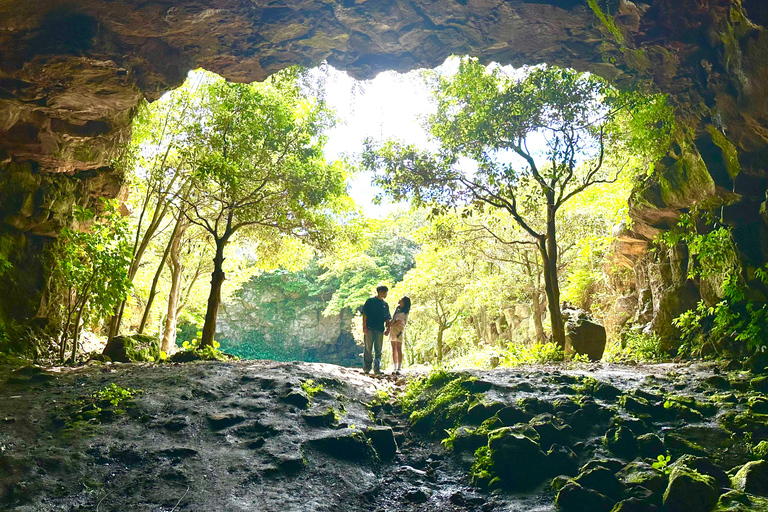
[
  {"x": 258, "y": 170},
  {"x": 91, "y": 267},
  {"x": 496, "y": 122},
  {"x": 435, "y": 286},
  {"x": 158, "y": 171}
]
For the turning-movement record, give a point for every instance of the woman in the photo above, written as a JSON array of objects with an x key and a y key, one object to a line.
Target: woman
[{"x": 396, "y": 330}]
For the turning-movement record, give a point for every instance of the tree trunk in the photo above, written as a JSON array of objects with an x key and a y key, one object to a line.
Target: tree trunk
[
  {"x": 76, "y": 335},
  {"x": 214, "y": 299},
  {"x": 178, "y": 231},
  {"x": 548, "y": 249},
  {"x": 440, "y": 330},
  {"x": 538, "y": 312},
  {"x": 169, "y": 332}
]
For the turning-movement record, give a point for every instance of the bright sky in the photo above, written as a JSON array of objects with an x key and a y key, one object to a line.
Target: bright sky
[{"x": 391, "y": 105}]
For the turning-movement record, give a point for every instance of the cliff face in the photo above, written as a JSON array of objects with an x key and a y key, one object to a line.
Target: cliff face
[
  {"x": 265, "y": 321},
  {"x": 72, "y": 73}
]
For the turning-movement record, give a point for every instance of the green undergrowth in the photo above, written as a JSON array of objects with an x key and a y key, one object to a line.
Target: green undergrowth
[
  {"x": 192, "y": 352},
  {"x": 438, "y": 401},
  {"x": 482, "y": 468},
  {"x": 310, "y": 388},
  {"x": 103, "y": 406}
]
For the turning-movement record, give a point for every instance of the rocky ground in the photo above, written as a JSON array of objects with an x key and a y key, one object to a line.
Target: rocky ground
[{"x": 259, "y": 435}]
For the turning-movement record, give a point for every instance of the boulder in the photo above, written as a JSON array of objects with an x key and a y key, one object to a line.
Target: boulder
[
  {"x": 651, "y": 446},
  {"x": 602, "y": 480},
  {"x": 468, "y": 439},
  {"x": 703, "y": 466},
  {"x": 383, "y": 441},
  {"x": 641, "y": 474},
  {"x": 561, "y": 460},
  {"x": 517, "y": 460},
  {"x": 583, "y": 335},
  {"x": 575, "y": 498},
  {"x": 349, "y": 444},
  {"x": 136, "y": 348},
  {"x": 689, "y": 491},
  {"x": 737, "y": 501},
  {"x": 752, "y": 478},
  {"x": 621, "y": 441},
  {"x": 482, "y": 410},
  {"x": 634, "y": 505}
]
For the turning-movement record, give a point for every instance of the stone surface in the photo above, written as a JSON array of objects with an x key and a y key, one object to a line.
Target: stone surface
[
  {"x": 133, "y": 348},
  {"x": 583, "y": 335},
  {"x": 689, "y": 491},
  {"x": 575, "y": 498},
  {"x": 753, "y": 478}
]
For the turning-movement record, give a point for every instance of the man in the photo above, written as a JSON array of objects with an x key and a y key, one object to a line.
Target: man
[{"x": 376, "y": 319}]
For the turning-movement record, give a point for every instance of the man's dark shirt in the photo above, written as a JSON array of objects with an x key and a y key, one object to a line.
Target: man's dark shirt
[{"x": 377, "y": 313}]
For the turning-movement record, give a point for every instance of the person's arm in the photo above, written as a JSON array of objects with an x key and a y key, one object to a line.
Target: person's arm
[
  {"x": 387, "y": 323},
  {"x": 365, "y": 324}
]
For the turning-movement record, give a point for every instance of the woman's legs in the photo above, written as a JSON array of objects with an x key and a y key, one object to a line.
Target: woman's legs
[{"x": 397, "y": 354}]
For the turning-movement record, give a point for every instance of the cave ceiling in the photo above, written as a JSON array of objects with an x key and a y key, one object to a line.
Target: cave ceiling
[{"x": 72, "y": 73}]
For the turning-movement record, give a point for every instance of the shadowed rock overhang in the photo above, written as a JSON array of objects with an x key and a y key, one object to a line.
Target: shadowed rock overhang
[{"x": 72, "y": 73}]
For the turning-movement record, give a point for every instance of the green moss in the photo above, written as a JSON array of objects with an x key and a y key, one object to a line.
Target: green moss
[
  {"x": 736, "y": 501},
  {"x": 607, "y": 20},
  {"x": 730, "y": 154},
  {"x": 439, "y": 401},
  {"x": 310, "y": 388},
  {"x": 637, "y": 59},
  {"x": 482, "y": 469},
  {"x": 686, "y": 181}
]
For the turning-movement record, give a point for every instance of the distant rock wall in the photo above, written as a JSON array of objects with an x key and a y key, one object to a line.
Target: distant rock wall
[{"x": 266, "y": 323}]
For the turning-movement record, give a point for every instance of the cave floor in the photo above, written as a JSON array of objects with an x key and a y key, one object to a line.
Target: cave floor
[{"x": 243, "y": 436}]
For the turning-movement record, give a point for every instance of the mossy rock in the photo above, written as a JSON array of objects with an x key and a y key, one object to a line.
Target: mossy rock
[
  {"x": 704, "y": 466},
  {"x": 639, "y": 473},
  {"x": 135, "y": 348},
  {"x": 737, "y": 501},
  {"x": 651, "y": 446},
  {"x": 349, "y": 444},
  {"x": 575, "y": 498},
  {"x": 752, "y": 478},
  {"x": 602, "y": 480},
  {"x": 516, "y": 460},
  {"x": 621, "y": 441},
  {"x": 689, "y": 491}
]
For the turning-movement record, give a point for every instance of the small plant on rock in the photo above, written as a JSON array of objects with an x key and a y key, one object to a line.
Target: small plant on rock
[
  {"x": 115, "y": 394},
  {"x": 662, "y": 463},
  {"x": 206, "y": 353},
  {"x": 309, "y": 387}
]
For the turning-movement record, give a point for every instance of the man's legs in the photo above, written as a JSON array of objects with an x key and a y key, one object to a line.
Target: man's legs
[
  {"x": 378, "y": 342},
  {"x": 368, "y": 351}
]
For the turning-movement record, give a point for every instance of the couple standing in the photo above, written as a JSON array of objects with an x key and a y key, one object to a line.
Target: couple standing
[{"x": 377, "y": 323}]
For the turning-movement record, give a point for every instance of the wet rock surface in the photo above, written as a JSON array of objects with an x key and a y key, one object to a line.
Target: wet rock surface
[{"x": 206, "y": 436}]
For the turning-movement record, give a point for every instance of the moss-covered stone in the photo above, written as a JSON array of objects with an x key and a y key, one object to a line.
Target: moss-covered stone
[
  {"x": 575, "y": 498},
  {"x": 135, "y": 348},
  {"x": 752, "y": 478},
  {"x": 621, "y": 441},
  {"x": 737, "y": 501},
  {"x": 689, "y": 491},
  {"x": 516, "y": 460},
  {"x": 686, "y": 181}
]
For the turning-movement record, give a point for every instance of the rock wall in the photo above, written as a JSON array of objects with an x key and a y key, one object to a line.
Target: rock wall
[
  {"x": 72, "y": 73},
  {"x": 265, "y": 322}
]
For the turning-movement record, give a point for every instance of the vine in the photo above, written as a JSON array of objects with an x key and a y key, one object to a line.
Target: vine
[{"x": 734, "y": 317}]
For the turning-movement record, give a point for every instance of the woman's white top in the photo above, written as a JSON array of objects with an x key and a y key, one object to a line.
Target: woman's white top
[{"x": 397, "y": 327}]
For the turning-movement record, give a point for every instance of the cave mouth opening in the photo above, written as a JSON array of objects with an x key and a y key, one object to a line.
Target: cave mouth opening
[{"x": 390, "y": 105}]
